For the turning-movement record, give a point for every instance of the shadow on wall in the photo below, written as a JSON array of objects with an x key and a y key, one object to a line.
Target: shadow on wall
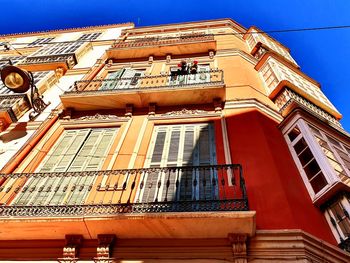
[{"x": 19, "y": 131}]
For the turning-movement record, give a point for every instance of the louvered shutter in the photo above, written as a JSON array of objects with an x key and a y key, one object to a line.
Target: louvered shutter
[
  {"x": 72, "y": 150},
  {"x": 129, "y": 79},
  {"x": 187, "y": 176},
  {"x": 169, "y": 178},
  {"x": 112, "y": 80},
  {"x": 181, "y": 145},
  {"x": 58, "y": 151},
  {"x": 101, "y": 149},
  {"x": 151, "y": 181},
  {"x": 90, "y": 158}
]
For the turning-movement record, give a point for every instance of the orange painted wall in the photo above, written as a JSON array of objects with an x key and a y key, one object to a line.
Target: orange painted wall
[{"x": 275, "y": 188}]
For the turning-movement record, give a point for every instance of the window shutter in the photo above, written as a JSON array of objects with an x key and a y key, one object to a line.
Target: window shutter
[
  {"x": 85, "y": 152},
  {"x": 180, "y": 145},
  {"x": 71, "y": 152},
  {"x": 113, "y": 79},
  {"x": 99, "y": 152},
  {"x": 129, "y": 79},
  {"x": 59, "y": 150}
]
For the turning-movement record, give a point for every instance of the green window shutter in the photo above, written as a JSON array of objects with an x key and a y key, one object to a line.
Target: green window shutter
[
  {"x": 113, "y": 79},
  {"x": 72, "y": 149},
  {"x": 57, "y": 151},
  {"x": 100, "y": 152},
  {"x": 85, "y": 152},
  {"x": 76, "y": 150},
  {"x": 130, "y": 79}
]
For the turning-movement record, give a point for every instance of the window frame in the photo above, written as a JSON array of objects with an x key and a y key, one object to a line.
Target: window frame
[
  {"x": 336, "y": 230},
  {"x": 317, "y": 152}
]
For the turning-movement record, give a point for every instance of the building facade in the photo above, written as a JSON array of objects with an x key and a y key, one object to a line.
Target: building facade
[{"x": 194, "y": 142}]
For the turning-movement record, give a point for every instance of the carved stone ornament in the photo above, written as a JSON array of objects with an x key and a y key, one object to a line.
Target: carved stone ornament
[
  {"x": 70, "y": 250},
  {"x": 98, "y": 116},
  {"x": 239, "y": 247},
  {"x": 184, "y": 112},
  {"x": 104, "y": 248}
]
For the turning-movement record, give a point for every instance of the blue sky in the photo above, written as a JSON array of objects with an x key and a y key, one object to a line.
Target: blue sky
[{"x": 323, "y": 55}]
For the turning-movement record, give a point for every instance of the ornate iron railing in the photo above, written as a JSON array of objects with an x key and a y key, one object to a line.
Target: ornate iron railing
[
  {"x": 69, "y": 59},
  {"x": 204, "y": 78},
  {"x": 147, "y": 190},
  {"x": 158, "y": 41}
]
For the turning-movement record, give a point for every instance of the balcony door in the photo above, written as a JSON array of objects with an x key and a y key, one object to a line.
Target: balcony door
[
  {"x": 126, "y": 78},
  {"x": 202, "y": 76},
  {"x": 188, "y": 145},
  {"x": 76, "y": 151}
]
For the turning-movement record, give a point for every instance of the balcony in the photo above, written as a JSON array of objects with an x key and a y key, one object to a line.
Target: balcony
[
  {"x": 159, "y": 202},
  {"x": 165, "y": 90},
  {"x": 162, "y": 46},
  {"x": 277, "y": 75},
  {"x": 49, "y": 62}
]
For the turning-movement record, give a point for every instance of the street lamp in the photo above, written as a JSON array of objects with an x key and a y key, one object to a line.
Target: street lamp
[{"x": 20, "y": 81}]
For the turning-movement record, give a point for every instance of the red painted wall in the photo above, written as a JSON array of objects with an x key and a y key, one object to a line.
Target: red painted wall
[{"x": 275, "y": 188}]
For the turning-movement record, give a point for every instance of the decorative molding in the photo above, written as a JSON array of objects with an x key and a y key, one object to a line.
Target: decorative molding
[
  {"x": 103, "y": 249},
  {"x": 70, "y": 250},
  {"x": 289, "y": 245},
  {"x": 184, "y": 112},
  {"x": 97, "y": 116},
  {"x": 152, "y": 109},
  {"x": 239, "y": 247}
]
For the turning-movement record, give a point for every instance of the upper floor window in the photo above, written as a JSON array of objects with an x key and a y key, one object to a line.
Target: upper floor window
[
  {"x": 321, "y": 158},
  {"x": 122, "y": 79},
  {"x": 306, "y": 160},
  {"x": 57, "y": 49},
  {"x": 89, "y": 36},
  {"x": 75, "y": 151},
  {"x": 337, "y": 215},
  {"x": 41, "y": 41},
  {"x": 181, "y": 145}
]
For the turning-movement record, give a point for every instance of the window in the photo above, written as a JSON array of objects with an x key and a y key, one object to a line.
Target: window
[
  {"x": 89, "y": 36},
  {"x": 57, "y": 49},
  {"x": 335, "y": 151},
  {"x": 40, "y": 41},
  {"x": 75, "y": 151},
  {"x": 306, "y": 160},
  {"x": 181, "y": 145},
  {"x": 122, "y": 79},
  {"x": 337, "y": 215},
  {"x": 323, "y": 160}
]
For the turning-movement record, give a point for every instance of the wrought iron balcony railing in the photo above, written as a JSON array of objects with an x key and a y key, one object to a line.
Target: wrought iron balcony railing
[
  {"x": 158, "y": 41},
  {"x": 205, "y": 78},
  {"x": 69, "y": 59},
  {"x": 147, "y": 190}
]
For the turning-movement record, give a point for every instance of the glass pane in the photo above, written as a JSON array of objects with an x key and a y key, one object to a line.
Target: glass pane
[
  {"x": 318, "y": 182},
  {"x": 300, "y": 146},
  {"x": 312, "y": 169},
  {"x": 293, "y": 134},
  {"x": 306, "y": 156}
]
